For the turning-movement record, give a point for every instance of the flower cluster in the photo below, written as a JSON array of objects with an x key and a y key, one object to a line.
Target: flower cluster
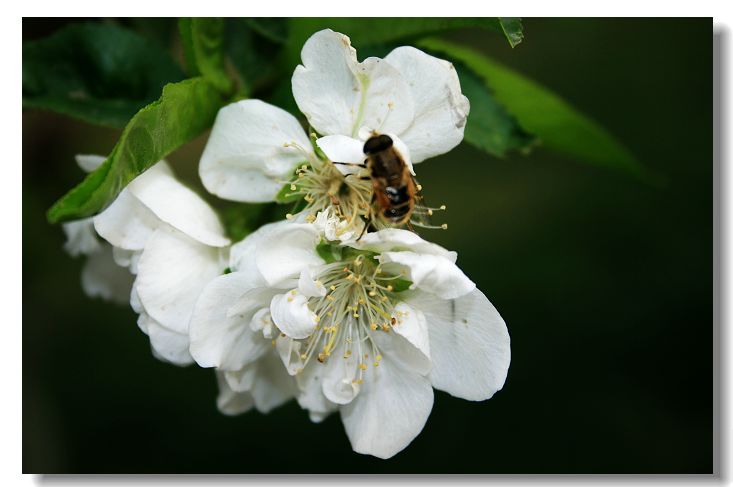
[{"x": 335, "y": 306}]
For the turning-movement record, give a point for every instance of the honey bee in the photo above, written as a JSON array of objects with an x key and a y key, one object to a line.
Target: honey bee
[{"x": 395, "y": 190}]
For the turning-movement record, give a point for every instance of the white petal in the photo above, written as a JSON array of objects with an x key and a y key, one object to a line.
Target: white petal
[
  {"x": 392, "y": 407},
  {"x": 252, "y": 301},
  {"x": 310, "y": 287},
  {"x": 242, "y": 254},
  {"x": 289, "y": 352},
  {"x": 242, "y": 380},
  {"x": 175, "y": 204},
  {"x": 89, "y": 162},
  {"x": 102, "y": 277},
  {"x": 324, "y": 86},
  {"x": 81, "y": 239},
  {"x": 291, "y": 314},
  {"x": 431, "y": 273},
  {"x": 338, "y": 95},
  {"x": 469, "y": 345},
  {"x": 273, "y": 386},
  {"x": 311, "y": 395},
  {"x": 287, "y": 250},
  {"x": 410, "y": 323},
  {"x": 440, "y": 110},
  {"x": 172, "y": 272},
  {"x": 340, "y": 375},
  {"x": 167, "y": 345},
  {"x": 126, "y": 223},
  {"x": 230, "y": 402},
  {"x": 398, "y": 239},
  {"x": 221, "y": 340},
  {"x": 246, "y": 158},
  {"x": 126, "y": 258},
  {"x": 340, "y": 148},
  {"x": 387, "y": 104}
]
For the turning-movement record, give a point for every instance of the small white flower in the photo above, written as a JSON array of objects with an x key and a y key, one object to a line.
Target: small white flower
[
  {"x": 255, "y": 149},
  {"x": 167, "y": 236},
  {"x": 100, "y": 276},
  {"x": 368, "y": 332}
]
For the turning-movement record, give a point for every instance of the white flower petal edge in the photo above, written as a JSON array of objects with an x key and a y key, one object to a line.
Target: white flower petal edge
[
  {"x": 288, "y": 250},
  {"x": 253, "y": 148},
  {"x": 469, "y": 344},
  {"x": 172, "y": 272},
  {"x": 431, "y": 273},
  {"x": 391, "y": 410},
  {"x": 156, "y": 197},
  {"x": 222, "y": 339},
  {"x": 440, "y": 108},
  {"x": 339, "y": 95},
  {"x": 102, "y": 277},
  {"x": 226, "y": 334}
]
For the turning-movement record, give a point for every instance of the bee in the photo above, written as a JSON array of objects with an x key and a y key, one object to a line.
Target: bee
[{"x": 395, "y": 190}]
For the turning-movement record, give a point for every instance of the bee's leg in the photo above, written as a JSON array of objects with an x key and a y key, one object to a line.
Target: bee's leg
[
  {"x": 363, "y": 164},
  {"x": 363, "y": 230}
]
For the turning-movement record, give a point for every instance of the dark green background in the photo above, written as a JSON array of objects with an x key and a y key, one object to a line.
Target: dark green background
[{"x": 605, "y": 283}]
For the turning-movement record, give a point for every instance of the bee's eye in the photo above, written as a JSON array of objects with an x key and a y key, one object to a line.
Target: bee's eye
[{"x": 377, "y": 143}]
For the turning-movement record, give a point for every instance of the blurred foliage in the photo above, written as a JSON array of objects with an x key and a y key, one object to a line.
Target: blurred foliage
[
  {"x": 203, "y": 47},
  {"x": 99, "y": 73},
  {"x": 545, "y": 114}
]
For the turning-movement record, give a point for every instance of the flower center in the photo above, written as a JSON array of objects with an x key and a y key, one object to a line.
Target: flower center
[
  {"x": 360, "y": 301},
  {"x": 322, "y": 186}
]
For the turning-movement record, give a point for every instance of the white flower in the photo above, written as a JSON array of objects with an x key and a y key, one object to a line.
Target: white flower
[
  {"x": 367, "y": 329},
  {"x": 173, "y": 241},
  {"x": 100, "y": 276},
  {"x": 236, "y": 335},
  {"x": 255, "y": 148}
]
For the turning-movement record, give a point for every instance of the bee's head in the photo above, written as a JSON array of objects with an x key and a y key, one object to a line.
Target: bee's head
[{"x": 377, "y": 143}]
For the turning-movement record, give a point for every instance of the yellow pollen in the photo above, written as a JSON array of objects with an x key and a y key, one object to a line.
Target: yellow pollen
[
  {"x": 419, "y": 187},
  {"x": 430, "y": 212},
  {"x": 333, "y": 288},
  {"x": 310, "y": 218},
  {"x": 363, "y": 366},
  {"x": 376, "y": 364},
  {"x": 444, "y": 226},
  {"x": 390, "y": 288},
  {"x": 289, "y": 216},
  {"x": 360, "y": 381},
  {"x": 303, "y": 356},
  {"x": 372, "y": 293},
  {"x": 374, "y": 326},
  {"x": 379, "y": 357},
  {"x": 293, "y": 187},
  {"x": 321, "y": 357},
  {"x": 290, "y": 298},
  {"x": 442, "y": 207}
]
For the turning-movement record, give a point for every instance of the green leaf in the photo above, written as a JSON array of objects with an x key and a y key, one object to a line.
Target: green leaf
[
  {"x": 371, "y": 31},
  {"x": 253, "y": 46},
  {"x": 400, "y": 284},
  {"x": 540, "y": 111},
  {"x": 184, "y": 110},
  {"x": 329, "y": 252},
  {"x": 203, "y": 48},
  {"x": 489, "y": 127},
  {"x": 99, "y": 73}
]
